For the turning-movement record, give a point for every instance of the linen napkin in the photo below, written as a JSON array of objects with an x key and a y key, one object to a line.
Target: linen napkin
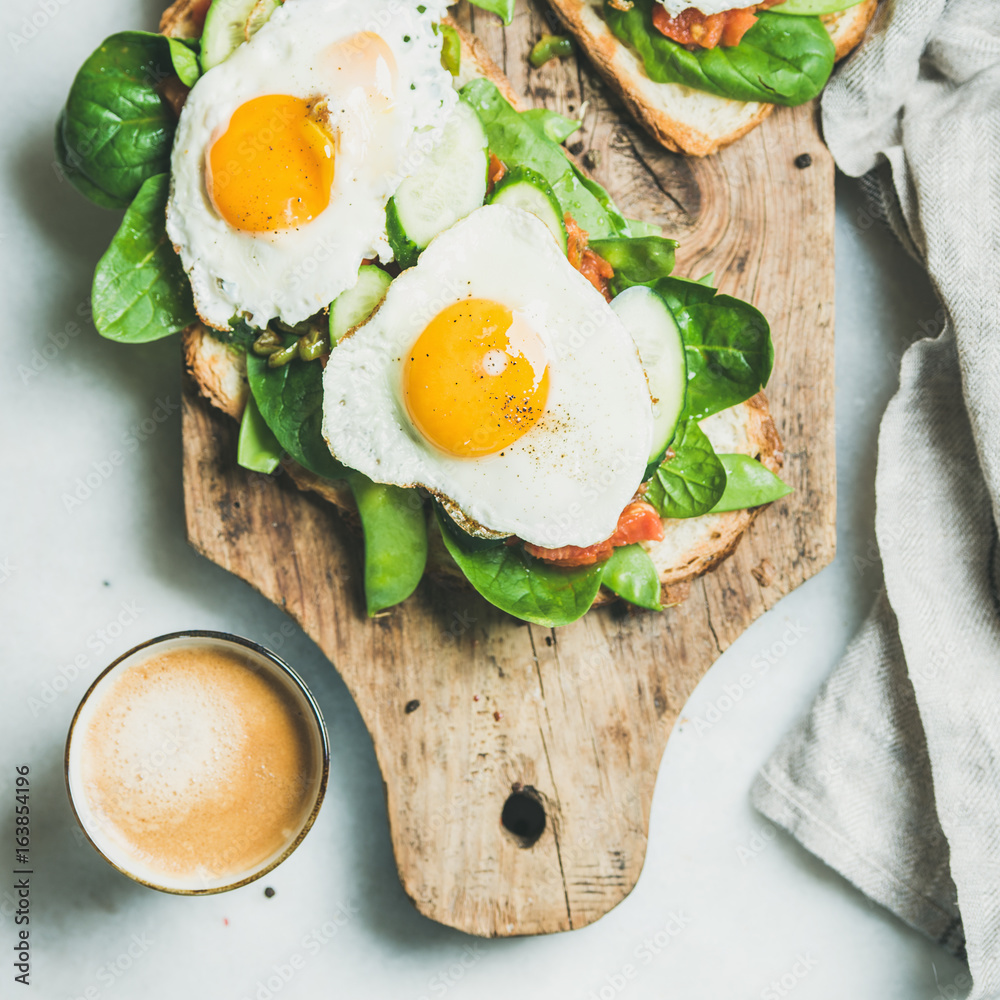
[{"x": 894, "y": 777}]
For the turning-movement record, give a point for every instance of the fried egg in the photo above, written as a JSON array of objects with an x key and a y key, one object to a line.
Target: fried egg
[
  {"x": 497, "y": 377},
  {"x": 286, "y": 154},
  {"x": 676, "y": 7}
]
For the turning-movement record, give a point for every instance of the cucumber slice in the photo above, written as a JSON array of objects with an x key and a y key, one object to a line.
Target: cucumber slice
[
  {"x": 661, "y": 349},
  {"x": 447, "y": 185},
  {"x": 259, "y": 16},
  {"x": 358, "y": 303},
  {"x": 229, "y": 24},
  {"x": 810, "y": 8},
  {"x": 527, "y": 189}
]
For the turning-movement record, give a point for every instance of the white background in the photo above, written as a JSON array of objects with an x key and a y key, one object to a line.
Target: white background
[{"x": 749, "y": 906}]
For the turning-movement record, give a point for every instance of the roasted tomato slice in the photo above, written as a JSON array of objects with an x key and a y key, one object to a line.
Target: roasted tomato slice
[
  {"x": 588, "y": 262},
  {"x": 638, "y": 522},
  {"x": 692, "y": 27}
]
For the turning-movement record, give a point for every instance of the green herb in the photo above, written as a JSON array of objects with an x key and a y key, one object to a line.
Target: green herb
[
  {"x": 269, "y": 342},
  {"x": 504, "y": 8},
  {"x": 748, "y": 484},
  {"x": 117, "y": 130},
  {"x": 239, "y": 334},
  {"x": 521, "y": 143},
  {"x": 291, "y": 402},
  {"x": 549, "y": 124},
  {"x": 313, "y": 345},
  {"x": 527, "y": 588},
  {"x": 140, "y": 290},
  {"x": 550, "y": 47},
  {"x": 691, "y": 480},
  {"x": 258, "y": 449},
  {"x": 631, "y": 575},
  {"x": 781, "y": 59},
  {"x": 395, "y": 531},
  {"x": 451, "y": 49}
]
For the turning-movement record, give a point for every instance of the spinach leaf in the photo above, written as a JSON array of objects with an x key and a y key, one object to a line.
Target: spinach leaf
[
  {"x": 184, "y": 59},
  {"x": 520, "y": 144},
  {"x": 727, "y": 344},
  {"x": 640, "y": 227},
  {"x": 85, "y": 186},
  {"x": 395, "y": 531},
  {"x": 117, "y": 130},
  {"x": 630, "y": 574},
  {"x": 679, "y": 293},
  {"x": 748, "y": 484},
  {"x": 257, "y": 448},
  {"x": 619, "y": 224},
  {"x": 140, "y": 290},
  {"x": 527, "y": 588},
  {"x": 809, "y": 7},
  {"x": 691, "y": 482},
  {"x": 781, "y": 60},
  {"x": 550, "y": 125},
  {"x": 505, "y": 8},
  {"x": 291, "y": 402},
  {"x": 637, "y": 261}
]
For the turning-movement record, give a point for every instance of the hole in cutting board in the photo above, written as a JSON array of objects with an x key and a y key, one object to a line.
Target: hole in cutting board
[{"x": 523, "y": 815}]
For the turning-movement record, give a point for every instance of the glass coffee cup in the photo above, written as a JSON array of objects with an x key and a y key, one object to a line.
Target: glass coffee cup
[{"x": 197, "y": 762}]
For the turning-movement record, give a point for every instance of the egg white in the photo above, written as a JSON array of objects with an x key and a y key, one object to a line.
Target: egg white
[
  {"x": 675, "y": 7},
  {"x": 567, "y": 479},
  {"x": 293, "y": 273}
]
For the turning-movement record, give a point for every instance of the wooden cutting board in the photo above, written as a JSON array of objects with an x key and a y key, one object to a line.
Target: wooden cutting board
[{"x": 470, "y": 710}]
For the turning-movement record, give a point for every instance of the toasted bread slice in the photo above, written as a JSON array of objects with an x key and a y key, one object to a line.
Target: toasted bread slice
[
  {"x": 682, "y": 119},
  {"x": 688, "y": 549}
]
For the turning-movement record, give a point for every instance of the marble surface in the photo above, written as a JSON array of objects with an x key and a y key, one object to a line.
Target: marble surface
[{"x": 726, "y": 906}]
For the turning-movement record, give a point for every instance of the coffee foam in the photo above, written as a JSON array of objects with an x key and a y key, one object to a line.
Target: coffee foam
[{"x": 193, "y": 766}]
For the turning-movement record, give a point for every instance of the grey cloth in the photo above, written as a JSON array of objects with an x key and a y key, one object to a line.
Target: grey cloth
[{"x": 894, "y": 777}]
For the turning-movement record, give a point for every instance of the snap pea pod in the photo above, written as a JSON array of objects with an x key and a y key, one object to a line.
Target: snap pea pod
[
  {"x": 395, "y": 530},
  {"x": 258, "y": 449},
  {"x": 550, "y": 47},
  {"x": 631, "y": 575}
]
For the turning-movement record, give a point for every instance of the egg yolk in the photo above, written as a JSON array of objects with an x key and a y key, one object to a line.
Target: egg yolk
[
  {"x": 272, "y": 168},
  {"x": 476, "y": 379}
]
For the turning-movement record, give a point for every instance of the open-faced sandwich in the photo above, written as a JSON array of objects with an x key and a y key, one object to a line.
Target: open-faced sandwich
[
  {"x": 411, "y": 297},
  {"x": 700, "y": 75}
]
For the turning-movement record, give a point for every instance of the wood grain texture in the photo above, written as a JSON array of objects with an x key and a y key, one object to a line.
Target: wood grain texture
[{"x": 579, "y": 714}]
